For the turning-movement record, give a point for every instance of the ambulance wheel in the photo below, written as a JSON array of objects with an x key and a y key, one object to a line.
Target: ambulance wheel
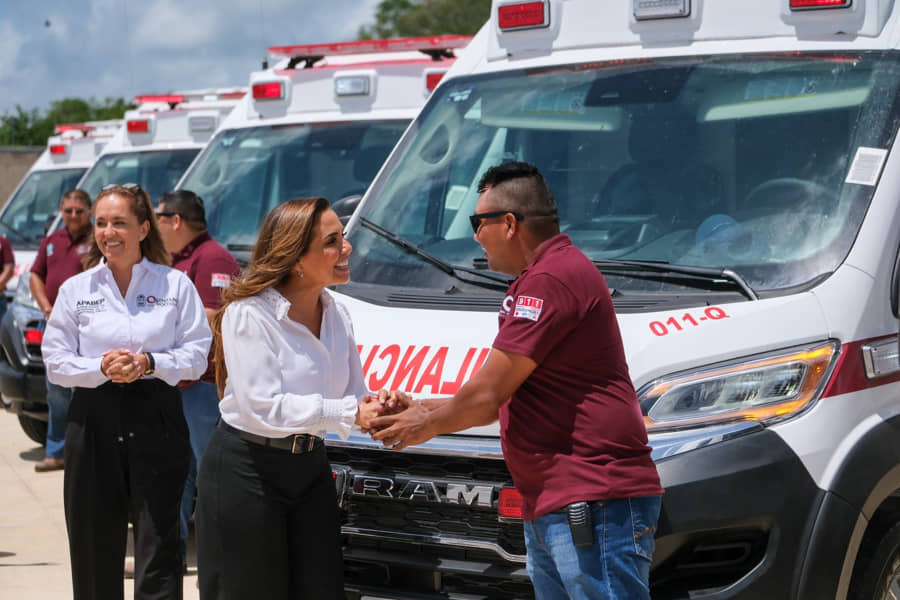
[
  {"x": 879, "y": 578},
  {"x": 35, "y": 429}
]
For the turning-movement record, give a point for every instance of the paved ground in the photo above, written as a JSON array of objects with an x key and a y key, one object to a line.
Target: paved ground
[{"x": 34, "y": 557}]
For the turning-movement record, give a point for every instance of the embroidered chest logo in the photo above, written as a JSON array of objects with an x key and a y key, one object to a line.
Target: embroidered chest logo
[
  {"x": 90, "y": 306},
  {"x": 528, "y": 308},
  {"x": 151, "y": 301},
  {"x": 221, "y": 280},
  {"x": 83, "y": 249},
  {"x": 49, "y": 249}
]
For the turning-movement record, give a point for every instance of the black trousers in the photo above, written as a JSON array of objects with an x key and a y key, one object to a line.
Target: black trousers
[
  {"x": 268, "y": 524},
  {"x": 127, "y": 453}
]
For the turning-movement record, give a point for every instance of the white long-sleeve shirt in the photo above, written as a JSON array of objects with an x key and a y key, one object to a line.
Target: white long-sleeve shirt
[
  {"x": 281, "y": 378},
  {"x": 161, "y": 313}
]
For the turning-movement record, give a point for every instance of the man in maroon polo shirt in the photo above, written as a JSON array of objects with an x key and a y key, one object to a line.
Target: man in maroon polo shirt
[
  {"x": 572, "y": 431},
  {"x": 182, "y": 225},
  {"x": 58, "y": 258}
]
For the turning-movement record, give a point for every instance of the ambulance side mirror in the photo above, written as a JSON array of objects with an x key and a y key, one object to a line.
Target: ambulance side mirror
[{"x": 345, "y": 206}]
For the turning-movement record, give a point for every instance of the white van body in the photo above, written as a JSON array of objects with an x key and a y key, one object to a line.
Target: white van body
[
  {"x": 319, "y": 122},
  {"x": 730, "y": 166},
  {"x": 70, "y": 152}
]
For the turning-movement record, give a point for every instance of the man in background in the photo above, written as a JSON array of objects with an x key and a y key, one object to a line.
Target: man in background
[
  {"x": 182, "y": 224},
  {"x": 58, "y": 258}
]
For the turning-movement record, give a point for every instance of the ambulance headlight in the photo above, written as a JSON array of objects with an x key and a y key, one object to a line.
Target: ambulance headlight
[{"x": 763, "y": 388}]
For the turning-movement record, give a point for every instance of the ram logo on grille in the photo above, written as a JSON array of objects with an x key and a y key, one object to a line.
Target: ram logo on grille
[{"x": 419, "y": 490}]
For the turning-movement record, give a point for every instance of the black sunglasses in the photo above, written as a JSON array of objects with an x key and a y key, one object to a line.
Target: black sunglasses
[
  {"x": 127, "y": 186},
  {"x": 475, "y": 219},
  {"x": 164, "y": 213},
  {"x": 74, "y": 211}
]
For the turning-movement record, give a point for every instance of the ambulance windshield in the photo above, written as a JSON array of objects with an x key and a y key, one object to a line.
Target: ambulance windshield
[
  {"x": 243, "y": 173},
  {"x": 157, "y": 171},
  {"x": 31, "y": 210},
  {"x": 763, "y": 164}
]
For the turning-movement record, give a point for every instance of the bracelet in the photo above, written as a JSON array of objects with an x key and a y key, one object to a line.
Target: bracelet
[{"x": 151, "y": 364}]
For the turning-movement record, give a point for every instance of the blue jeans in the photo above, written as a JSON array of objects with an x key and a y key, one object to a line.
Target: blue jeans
[
  {"x": 616, "y": 567},
  {"x": 201, "y": 411},
  {"x": 58, "y": 399}
]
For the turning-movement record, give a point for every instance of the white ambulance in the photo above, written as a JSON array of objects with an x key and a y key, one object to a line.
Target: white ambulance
[
  {"x": 320, "y": 122},
  {"x": 32, "y": 207},
  {"x": 731, "y": 167},
  {"x": 160, "y": 139}
]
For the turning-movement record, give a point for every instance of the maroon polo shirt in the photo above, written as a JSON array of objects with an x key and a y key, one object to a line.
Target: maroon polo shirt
[
  {"x": 58, "y": 258},
  {"x": 210, "y": 267},
  {"x": 573, "y": 430},
  {"x": 6, "y": 252}
]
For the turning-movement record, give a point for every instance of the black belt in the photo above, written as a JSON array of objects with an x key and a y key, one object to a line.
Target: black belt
[{"x": 300, "y": 443}]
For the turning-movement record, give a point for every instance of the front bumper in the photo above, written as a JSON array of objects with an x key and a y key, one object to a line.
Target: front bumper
[{"x": 735, "y": 520}]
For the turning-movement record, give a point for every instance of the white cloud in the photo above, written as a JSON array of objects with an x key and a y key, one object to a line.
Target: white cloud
[
  {"x": 171, "y": 25},
  {"x": 10, "y": 44}
]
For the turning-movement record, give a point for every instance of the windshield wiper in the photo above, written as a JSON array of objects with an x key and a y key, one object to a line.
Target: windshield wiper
[
  {"x": 664, "y": 267},
  {"x": 239, "y": 247},
  {"x": 452, "y": 270}
]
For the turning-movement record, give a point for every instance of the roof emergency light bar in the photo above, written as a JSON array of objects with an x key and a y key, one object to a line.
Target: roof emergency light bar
[
  {"x": 437, "y": 47},
  {"x": 814, "y": 4},
  {"x": 82, "y": 127},
  {"x": 58, "y": 148},
  {"x": 172, "y": 100}
]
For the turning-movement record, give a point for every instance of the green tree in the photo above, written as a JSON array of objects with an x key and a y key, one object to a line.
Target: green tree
[
  {"x": 18, "y": 129},
  {"x": 414, "y": 18},
  {"x": 31, "y": 128}
]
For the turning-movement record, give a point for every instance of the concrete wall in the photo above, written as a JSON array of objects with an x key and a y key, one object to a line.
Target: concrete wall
[{"x": 14, "y": 163}]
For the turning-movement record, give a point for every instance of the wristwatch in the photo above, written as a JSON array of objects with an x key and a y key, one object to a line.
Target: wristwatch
[{"x": 151, "y": 364}]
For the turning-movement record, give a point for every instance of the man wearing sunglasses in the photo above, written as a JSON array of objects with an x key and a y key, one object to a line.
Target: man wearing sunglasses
[
  {"x": 182, "y": 224},
  {"x": 570, "y": 424},
  {"x": 58, "y": 258}
]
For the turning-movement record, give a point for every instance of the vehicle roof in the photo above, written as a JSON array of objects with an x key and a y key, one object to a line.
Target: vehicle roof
[
  {"x": 577, "y": 31},
  {"x": 396, "y": 77},
  {"x": 181, "y": 119}
]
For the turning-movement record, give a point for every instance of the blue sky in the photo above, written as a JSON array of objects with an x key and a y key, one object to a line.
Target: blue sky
[{"x": 52, "y": 49}]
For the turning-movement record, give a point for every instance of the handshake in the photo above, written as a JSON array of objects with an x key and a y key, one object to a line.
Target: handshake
[{"x": 394, "y": 419}]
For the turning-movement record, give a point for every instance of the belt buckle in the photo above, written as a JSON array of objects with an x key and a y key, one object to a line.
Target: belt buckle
[{"x": 297, "y": 447}]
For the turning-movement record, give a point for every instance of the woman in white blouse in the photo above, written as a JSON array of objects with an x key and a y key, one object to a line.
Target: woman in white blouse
[
  {"x": 288, "y": 370},
  {"x": 122, "y": 334}
]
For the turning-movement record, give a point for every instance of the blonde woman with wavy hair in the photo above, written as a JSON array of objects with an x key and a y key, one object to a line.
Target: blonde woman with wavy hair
[
  {"x": 122, "y": 334},
  {"x": 288, "y": 371}
]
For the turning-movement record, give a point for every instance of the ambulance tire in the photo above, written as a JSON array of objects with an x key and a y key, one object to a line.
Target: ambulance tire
[
  {"x": 879, "y": 578},
  {"x": 35, "y": 429}
]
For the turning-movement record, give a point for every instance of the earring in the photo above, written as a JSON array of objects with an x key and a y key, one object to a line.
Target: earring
[{"x": 300, "y": 272}]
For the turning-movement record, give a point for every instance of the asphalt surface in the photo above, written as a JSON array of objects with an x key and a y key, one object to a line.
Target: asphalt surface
[{"x": 34, "y": 549}]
